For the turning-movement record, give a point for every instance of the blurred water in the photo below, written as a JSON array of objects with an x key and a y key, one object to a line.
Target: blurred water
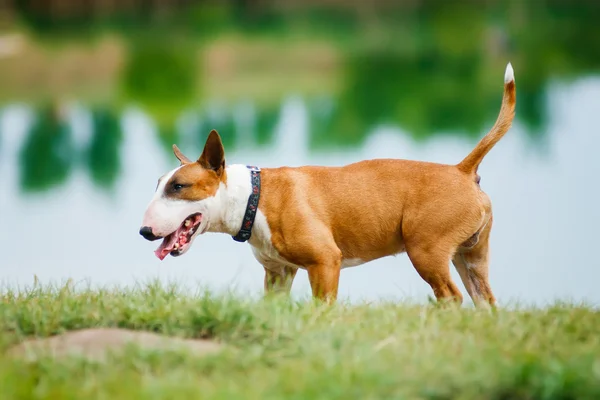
[{"x": 545, "y": 205}]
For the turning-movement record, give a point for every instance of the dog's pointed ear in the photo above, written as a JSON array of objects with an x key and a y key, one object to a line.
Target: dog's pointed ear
[
  {"x": 182, "y": 159},
  {"x": 213, "y": 155}
]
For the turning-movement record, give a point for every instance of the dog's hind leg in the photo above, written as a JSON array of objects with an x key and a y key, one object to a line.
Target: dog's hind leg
[
  {"x": 472, "y": 265},
  {"x": 433, "y": 265}
]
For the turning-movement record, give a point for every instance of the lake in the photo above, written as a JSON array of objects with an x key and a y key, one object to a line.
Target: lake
[
  {"x": 545, "y": 204},
  {"x": 91, "y": 99}
]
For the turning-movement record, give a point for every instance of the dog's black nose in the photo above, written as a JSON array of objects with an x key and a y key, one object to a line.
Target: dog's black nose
[{"x": 146, "y": 232}]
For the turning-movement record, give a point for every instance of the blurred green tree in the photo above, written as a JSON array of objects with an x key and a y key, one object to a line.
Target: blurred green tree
[
  {"x": 47, "y": 153},
  {"x": 103, "y": 158}
]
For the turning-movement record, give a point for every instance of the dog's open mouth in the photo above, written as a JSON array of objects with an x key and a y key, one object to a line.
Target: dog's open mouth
[{"x": 177, "y": 242}]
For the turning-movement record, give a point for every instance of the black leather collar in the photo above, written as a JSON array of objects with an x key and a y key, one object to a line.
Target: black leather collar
[{"x": 252, "y": 207}]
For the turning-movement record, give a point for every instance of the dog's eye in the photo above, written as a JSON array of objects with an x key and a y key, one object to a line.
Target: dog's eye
[{"x": 178, "y": 186}]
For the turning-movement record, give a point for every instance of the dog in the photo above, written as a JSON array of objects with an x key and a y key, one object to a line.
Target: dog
[{"x": 324, "y": 219}]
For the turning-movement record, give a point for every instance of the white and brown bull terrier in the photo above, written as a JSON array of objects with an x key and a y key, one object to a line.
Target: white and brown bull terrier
[{"x": 323, "y": 219}]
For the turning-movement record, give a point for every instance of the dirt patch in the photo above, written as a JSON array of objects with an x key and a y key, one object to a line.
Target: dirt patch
[{"x": 95, "y": 344}]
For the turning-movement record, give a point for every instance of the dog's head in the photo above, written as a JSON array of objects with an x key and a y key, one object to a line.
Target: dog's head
[{"x": 186, "y": 199}]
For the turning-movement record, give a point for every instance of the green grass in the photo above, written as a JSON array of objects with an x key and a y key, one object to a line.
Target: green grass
[{"x": 280, "y": 348}]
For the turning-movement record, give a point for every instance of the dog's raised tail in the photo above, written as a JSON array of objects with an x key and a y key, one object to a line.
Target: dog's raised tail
[{"x": 502, "y": 125}]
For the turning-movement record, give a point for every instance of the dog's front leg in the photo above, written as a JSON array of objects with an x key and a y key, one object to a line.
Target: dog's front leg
[
  {"x": 324, "y": 279},
  {"x": 312, "y": 246},
  {"x": 279, "y": 279}
]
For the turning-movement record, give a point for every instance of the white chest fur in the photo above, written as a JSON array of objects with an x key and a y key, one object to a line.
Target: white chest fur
[{"x": 263, "y": 248}]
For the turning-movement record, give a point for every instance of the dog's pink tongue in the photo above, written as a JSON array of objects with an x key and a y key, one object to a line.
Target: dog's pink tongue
[{"x": 166, "y": 246}]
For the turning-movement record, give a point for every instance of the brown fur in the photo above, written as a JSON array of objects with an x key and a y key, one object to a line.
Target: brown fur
[
  {"x": 319, "y": 216},
  {"x": 197, "y": 183},
  {"x": 199, "y": 179}
]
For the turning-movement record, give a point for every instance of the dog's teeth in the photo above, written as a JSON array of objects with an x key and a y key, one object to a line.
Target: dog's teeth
[
  {"x": 176, "y": 246},
  {"x": 187, "y": 223}
]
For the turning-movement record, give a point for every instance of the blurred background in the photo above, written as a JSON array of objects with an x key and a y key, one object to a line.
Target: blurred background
[{"x": 93, "y": 93}]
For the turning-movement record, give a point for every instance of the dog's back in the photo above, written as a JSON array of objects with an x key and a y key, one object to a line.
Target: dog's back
[{"x": 370, "y": 205}]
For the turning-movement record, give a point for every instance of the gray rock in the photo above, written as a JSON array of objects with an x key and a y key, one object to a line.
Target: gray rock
[{"x": 96, "y": 343}]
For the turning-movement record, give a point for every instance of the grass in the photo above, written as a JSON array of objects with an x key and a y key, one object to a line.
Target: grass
[{"x": 280, "y": 348}]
